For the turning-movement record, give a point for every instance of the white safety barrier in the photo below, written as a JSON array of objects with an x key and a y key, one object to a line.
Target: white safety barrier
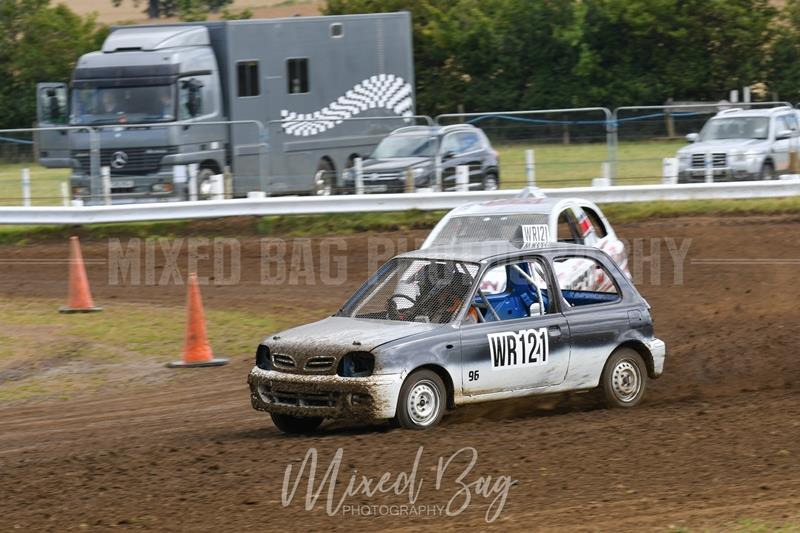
[{"x": 308, "y": 205}]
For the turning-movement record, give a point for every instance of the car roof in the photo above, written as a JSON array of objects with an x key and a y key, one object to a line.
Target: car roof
[
  {"x": 477, "y": 252},
  {"x": 433, "y": 130},
  {"x": 762, "y": 112},
  {"x": 531, "y": 205}
]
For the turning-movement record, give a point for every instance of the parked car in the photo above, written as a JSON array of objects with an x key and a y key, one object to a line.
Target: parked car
[
  {"x": 568, "y": 220},
  {"x": 741, "y": 145},
  {"x": 455, "y": 344},
  {"x": 415, "y": 148}
]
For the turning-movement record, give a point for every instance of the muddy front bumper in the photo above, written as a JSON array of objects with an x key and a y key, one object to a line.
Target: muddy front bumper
[{"x": 369, "y": 398}]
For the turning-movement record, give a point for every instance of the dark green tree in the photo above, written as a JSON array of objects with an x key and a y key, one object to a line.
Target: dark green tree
[
  {"x": 188, "y": 10},
  {"x": 38, "y": 42},
  {"x": 784, "y": 67}
]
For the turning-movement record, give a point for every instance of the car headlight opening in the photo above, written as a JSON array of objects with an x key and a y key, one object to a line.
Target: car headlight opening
[{"x": 356, "y": 365}]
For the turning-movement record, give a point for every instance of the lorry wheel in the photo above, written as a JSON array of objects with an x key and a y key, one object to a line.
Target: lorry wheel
[
  {"x": 422, "y": 400},
  {"x": 295, "y": 425},
  {"x": 624, "y": 379},
  {"x": 767, "y": 172},
  {"x": 204, "y": 183},
  {"x": 324, "y": 179}
]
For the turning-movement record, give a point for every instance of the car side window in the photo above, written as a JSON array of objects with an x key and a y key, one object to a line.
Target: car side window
[
  {"x": 596, "y": 221},
  {"x": 584, "y": 281},
  {"x": 450, "y": 143},
  {"x": 526, "y": 293},
  {"x": 568, "y": 228},
  {"x": 468, "y": 142}
]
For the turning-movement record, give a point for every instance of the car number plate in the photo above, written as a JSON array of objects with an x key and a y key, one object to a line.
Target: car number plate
[
  {"x": 375, "y": 188},
  {"x": 122, "y": 184}
]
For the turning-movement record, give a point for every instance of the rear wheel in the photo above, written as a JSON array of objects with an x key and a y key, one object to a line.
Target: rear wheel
[
  {"x": 422, "y": 401},
  {"x": 296, "y": 425},
  {"x": 324, "y": 179},
  {"x": 624, "y": 380}
]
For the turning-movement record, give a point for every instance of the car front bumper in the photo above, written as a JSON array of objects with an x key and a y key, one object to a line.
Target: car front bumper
[{"x": 327, "y": 396}]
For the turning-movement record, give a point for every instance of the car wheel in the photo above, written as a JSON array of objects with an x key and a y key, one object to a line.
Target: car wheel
[
  {"x": 324, "y": 179},
  {"x": 422, "y": 401},
  {"x": 767, "y": 172},
  {"x": 296, "y": 425},
  {"x": 490, "y": 182},
  {"x": 624, "y": 380}
]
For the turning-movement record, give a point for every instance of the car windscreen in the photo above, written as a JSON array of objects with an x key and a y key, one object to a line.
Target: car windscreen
[
  {"x": 405, "y": 146},
  {"x": 480, "y": 228},
  {"x": 123, "y": 105},
  {"x": 735, "y": 128},
  {"x": 414, "y": 290}
]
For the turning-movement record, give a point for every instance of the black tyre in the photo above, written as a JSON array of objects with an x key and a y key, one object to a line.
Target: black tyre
[
  {"x": 422, "y": 401},
  {"x": 767, "y": 172},
  {"x": 624, "y": 380},
  {"x": 296, "y": 425},
  {"x": 490, "y": 182}
]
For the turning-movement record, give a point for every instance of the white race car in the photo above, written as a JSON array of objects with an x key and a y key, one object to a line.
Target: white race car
[{"x": 534, "y": 218}]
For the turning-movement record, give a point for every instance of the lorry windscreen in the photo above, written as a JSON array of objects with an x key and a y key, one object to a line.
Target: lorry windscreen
[{"x": 124, "y": 105}]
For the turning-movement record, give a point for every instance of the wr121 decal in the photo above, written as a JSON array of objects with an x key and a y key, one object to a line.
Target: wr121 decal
[{"x": 515, "y": 349}]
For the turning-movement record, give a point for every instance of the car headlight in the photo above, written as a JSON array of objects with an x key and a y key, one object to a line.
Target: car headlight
[
  {"x": 80, "y": 191},
  {"x": 161, "y": 187},
  {"x": 262, "y": 357},
  {"x": 356, "y": 365},
  {"x": 420, "y": 171}
]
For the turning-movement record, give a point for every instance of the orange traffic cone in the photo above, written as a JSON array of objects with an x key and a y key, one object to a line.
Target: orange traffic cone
[
  {"x": 196, "y": 350},
  {"x": 80, "y": 297}
]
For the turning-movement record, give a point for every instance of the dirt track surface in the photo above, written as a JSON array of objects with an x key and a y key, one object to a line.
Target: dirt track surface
[{"x": 717, "y": 440}]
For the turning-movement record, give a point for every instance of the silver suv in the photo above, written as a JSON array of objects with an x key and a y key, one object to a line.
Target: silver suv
[{"x": 741, "y": 145}]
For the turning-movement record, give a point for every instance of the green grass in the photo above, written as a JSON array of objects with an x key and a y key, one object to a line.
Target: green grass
[
  {"x": 45, "y": 184},
  {"x": 81, "y": 351},
  {"x": 568, "y": 165}
]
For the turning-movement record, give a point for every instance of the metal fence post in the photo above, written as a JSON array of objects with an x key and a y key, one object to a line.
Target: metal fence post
[
  {"x": 709, "y": 168},
  {"x": 410, "y": 183},
  {"x": 191, "y": 171},
  {"x": 65, "y": 196},
  {"x": 26, "y": 187},
  {"x": 612, "y": 140},
  {"x": 438, "y": 169},
  {"x": 357, "y": 163},
  {"x": 530, "y": 167},
  {"x": 105, "y": 173},
  {"x": 462, "y": 178},
  {"x": 95, "y": 182}
]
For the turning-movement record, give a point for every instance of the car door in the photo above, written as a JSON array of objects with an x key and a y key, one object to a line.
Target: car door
[
  {"x": 449, "y": 155},
  {"x": 523, "y": 340},
  {"x": 596, "y": 313},
  {"x": 781, "y": 146},
  {"x": 52, "y": 111}
]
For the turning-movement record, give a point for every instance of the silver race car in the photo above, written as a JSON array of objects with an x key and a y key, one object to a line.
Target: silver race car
[{"x": 421, "y": 336}]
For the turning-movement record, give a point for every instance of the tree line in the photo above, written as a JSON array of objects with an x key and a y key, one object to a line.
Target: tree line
[{"x": 481, "y": 55}]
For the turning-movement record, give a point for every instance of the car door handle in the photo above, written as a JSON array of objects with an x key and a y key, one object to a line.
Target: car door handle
[{"x": 555, "y": 331}]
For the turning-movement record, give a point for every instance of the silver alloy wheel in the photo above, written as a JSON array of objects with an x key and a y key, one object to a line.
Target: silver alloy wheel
[
  {"x": 490, "y": 183},
  {"x": 322, "y": 185},
  {"x": 423, "y": 402},
  {"x": 626, "y": 380}
]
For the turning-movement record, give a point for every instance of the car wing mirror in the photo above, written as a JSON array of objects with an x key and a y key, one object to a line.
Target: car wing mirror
[
  {"x": 450, "y": 154},
  {"x": 784, "y": 134},
  {"x": 692, "y": 137}
]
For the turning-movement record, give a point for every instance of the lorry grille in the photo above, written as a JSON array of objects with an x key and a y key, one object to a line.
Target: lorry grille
[
  {"x": 718, "y": 160},
  {"x": 282, "y": 361},
  {"x": 137, "y": 160},
  {"x": 321, "y": 362}
]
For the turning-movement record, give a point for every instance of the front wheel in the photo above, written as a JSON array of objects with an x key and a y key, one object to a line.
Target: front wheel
[
  {"x": 624, "y": 380},
  {"x": 422, "y": 401},
  {"x": 490, "y": 182},
  {"x": 767, "y": 172},
  {"x": 296, "y": 425}
]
